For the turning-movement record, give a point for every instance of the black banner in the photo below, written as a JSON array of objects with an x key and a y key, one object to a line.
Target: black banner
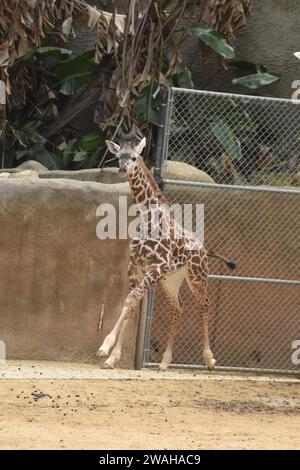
[{"x": 126, "y": 459}]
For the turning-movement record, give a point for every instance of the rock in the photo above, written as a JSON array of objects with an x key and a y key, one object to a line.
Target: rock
[
  {"x": 184, "y": 171},
  {"x": 19, "y": 174},
  {"x": 25, "y": 174},
  {"x": 110, "y": 175},
  {"x": 107, "y": 175},
  {"x": 33, "y": 165},
  {"x": 55, "y": 273},
  {"x": 296, "y": 178}
]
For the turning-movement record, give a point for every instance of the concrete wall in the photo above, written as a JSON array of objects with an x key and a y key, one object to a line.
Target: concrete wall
[{"x": 55, "y": 274}]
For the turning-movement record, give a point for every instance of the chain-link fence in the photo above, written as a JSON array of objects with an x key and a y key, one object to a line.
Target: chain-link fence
[
  {"x": 250, "y": 147},
  {"x": 236, "y": 139}
]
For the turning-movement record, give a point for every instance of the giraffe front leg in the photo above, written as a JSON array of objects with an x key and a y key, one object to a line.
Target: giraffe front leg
[
  {"x": 131, "y": 303},
  {"x": 111, "y": 338},
  {"x": 134, "y": 274},
  {"x": 107, "y": 344},
  {"x": 117, "y": 350}
]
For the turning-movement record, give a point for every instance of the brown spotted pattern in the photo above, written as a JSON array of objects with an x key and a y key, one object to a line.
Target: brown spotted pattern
[{"x": 159, "y": 260}]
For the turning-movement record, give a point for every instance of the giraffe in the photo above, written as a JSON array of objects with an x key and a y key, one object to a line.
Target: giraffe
[{"x": 161, "y": 260}]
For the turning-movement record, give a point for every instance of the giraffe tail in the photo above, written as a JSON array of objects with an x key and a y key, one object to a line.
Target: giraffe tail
[{"x": 229, "y": 263}]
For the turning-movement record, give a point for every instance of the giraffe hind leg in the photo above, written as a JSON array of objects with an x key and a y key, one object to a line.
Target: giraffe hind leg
[
  {"x": 170, "y": 288},
  {"x": 198, "y": 286}
]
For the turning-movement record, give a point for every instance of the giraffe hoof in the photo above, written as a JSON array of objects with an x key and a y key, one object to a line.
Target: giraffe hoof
[
  {"x": 108, "y": 365},
  {"x": 101, "y": 353},
  {"x": 162, "y": 367},
  {"x": 211, "y": 365}
]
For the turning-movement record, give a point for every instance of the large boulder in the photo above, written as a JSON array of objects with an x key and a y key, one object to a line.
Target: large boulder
[
  {"x": 33, "y": 165},
  {"x": 296, "y": 179},
  {"x": 185, "y": 172}
]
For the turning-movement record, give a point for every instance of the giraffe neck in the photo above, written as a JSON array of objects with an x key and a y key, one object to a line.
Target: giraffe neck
[
  {"x": 155, "y": 220},
  {"x": 143, "y": 187}
]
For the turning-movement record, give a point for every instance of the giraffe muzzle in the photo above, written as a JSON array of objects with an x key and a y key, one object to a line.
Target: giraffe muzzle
[{"x": 122, "y": 172}]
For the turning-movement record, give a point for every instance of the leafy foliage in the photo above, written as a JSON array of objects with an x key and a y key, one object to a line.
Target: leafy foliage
[
  {"x": 212, "y": 39},
  {"x": 62, "y": 74},
  {"x": 257, "y": 80},
  {"x": 234, "y": 143},
  {"x": 225, "y": 16},
  {"x": 136, "y": 55}
]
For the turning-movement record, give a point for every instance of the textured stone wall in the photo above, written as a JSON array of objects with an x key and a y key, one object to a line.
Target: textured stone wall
[{"x": 55, "y": 274}]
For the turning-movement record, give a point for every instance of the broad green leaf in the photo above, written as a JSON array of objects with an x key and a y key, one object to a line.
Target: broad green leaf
[
  {"x": 165, "y": 4},
  {"x": 213, "y": 39},
  {"x": 28, "y": 136},
  {"x": 233, "y": 114},
  {"x": 80, "y": 156},
  {"x": 183, "y": 77},
  {"x": 154, "y": 117},
  {"x": 47, "y": 50},
  {"x": 68, "y": 154},
  {"x": 166, "y": 62},
  {"x": 91, "y": 141},
  {"x": 78, "y": 66},
  {"x": 91, "y": 161},
  {"x": 68, "y": 86},
  {"x": 227, "y": 139},
  {"x": 256, "y": 80},
  {"x": 140, "y": 104},
  {"x": 18, "y": 135},
  {"x": 146, "y": 107}
]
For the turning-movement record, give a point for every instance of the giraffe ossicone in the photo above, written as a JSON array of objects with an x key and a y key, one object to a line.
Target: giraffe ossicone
[{"x": 163, "y": 261}]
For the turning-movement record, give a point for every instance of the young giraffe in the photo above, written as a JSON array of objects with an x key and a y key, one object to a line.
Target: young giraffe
[{"x": 163, "y": 260}]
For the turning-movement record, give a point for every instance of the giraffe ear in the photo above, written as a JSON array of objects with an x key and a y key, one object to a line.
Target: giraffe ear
[
  {"x": 112, "y": 147},
  {"x": 139, "y": 148}
]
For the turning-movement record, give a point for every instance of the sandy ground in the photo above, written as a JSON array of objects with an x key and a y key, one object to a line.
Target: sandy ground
[{"x": 72, "y": 406}]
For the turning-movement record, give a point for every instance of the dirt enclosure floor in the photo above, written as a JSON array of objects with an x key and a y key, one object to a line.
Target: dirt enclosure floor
[{"x": 69, "y": 406}]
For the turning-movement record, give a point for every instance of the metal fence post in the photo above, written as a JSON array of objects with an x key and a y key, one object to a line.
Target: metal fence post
[{"x": 162, "y": 136}]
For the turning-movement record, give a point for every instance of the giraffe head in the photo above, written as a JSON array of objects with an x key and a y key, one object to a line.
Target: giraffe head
[{"x": 127, "y": 152}]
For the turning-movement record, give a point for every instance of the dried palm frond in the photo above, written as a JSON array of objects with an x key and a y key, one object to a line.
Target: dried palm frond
[
  {"x": 24, "y": 24},
  {"x": 139, "y": 54},
  {"x": 226, "y": 16}
]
